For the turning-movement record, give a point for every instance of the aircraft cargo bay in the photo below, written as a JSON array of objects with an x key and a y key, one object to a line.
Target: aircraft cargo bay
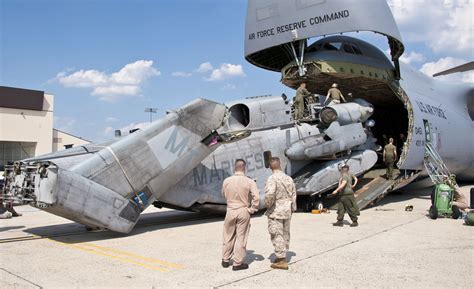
[{"x": 391, "y": 247}]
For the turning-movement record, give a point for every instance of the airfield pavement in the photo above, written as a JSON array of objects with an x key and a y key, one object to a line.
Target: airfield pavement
[{"x": 390, "y": 248}]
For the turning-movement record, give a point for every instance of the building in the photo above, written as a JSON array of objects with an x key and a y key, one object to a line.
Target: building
[{"x": 26, "y": 125}]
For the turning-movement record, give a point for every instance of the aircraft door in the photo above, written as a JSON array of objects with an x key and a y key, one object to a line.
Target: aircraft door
[
  {"x": 431, "y": 136},
  {"x": 428, "y": 135}
]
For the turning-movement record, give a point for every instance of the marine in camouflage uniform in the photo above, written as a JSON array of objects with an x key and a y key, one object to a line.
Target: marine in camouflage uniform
[
  {"x": 389, "y": 158},
  {"x": 347, "y": 202},
  {"x": 280, "y": 200}
]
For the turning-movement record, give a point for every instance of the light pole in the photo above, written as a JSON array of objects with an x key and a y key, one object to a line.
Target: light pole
[{"x": 151, "y": 110}]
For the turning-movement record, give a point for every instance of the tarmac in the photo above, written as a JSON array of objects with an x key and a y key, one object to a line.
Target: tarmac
[{"x": 390, "y": 248}]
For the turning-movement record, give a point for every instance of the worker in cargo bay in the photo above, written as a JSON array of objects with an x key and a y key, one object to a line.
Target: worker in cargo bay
[
  {"x": 347, "y": 202},
  {"x": 242, "y": 197},
  {"x": 301, "y": 94},
  {"x": 389, "y": 158},
  {"x": 334, "y": 95}
]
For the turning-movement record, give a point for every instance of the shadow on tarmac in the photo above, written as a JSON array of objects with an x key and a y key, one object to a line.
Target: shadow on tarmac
[
  {"x": 289, "y": 255},
  {"x": 72, "y": 233},
  {"x": 4, "y": 229},
  {"x": 251, "y": 257}
]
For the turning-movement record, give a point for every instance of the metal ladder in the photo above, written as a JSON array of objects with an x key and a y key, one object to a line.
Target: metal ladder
[{"x": 436, "y": 168}]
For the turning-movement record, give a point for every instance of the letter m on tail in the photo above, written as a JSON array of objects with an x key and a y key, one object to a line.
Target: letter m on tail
[{"x": 177, "y": 148}]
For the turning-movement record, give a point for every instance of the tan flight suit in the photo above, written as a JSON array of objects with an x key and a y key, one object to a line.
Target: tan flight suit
[
  {"x": 301, "y": 94},
  {"x": 390, "y": 151},
  {"x": 237, "y": 190},
  {"x": 335, "y": 95},
  {"x": 280, "y": 200}
]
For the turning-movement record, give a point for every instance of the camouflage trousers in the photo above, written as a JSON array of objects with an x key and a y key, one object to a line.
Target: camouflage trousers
[{"x": 279, "y": 230}]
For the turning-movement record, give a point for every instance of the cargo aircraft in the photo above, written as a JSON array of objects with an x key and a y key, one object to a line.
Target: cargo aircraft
[{"x": 181, "y": 160}]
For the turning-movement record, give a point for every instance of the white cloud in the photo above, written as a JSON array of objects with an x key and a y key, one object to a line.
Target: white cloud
[
  {"x": 64, "y": 123},
  {"x": 134, "y": 73},
  {"x": 82, "y": 78},
  {"x": 225, "y": 71},
  {"x": 443, "y": 64},
  {"x": 411, "y": 57},
  {"x": 444, "y": 26},
  {"x": 204, "y": 67},
  {"x": 111, "y": 119},
  {"x": 181, "y": 74},
  {"x": 113, "y": 92},
  {"x": 110, "y": 87}
]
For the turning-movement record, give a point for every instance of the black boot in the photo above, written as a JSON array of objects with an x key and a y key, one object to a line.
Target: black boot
[
  {"x": 338, "y": 224},
  {"x": 12, "y": 210},
  {"x": 242, "y": 266},
  {"x": 225, "y": 264}
]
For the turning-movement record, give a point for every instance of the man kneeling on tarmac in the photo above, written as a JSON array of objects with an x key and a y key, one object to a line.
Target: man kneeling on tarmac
[{"x": 347, "y": 202}]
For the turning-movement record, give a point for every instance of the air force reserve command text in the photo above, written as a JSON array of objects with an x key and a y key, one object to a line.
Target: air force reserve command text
[{"x": 300, "y": 24}]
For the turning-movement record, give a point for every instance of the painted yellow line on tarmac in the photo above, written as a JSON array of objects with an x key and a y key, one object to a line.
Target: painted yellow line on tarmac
[
  {"x": 147, "y": 259},
  {"x": 123, "y": 259}
]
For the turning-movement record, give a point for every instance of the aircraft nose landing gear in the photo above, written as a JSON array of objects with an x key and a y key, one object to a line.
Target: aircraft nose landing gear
[{"x": 314, "y": 203}]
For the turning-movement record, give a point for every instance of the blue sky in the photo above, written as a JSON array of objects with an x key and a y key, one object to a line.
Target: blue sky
[{"x": 105, "y": 61}]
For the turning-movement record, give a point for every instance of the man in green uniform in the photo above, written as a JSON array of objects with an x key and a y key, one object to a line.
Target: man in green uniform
[
  {"x": 347, "y": 202},
  {"x": 334, "y": 95},
  {"x": 301, "y": 94},
  {"x": 389, "y": 157}
]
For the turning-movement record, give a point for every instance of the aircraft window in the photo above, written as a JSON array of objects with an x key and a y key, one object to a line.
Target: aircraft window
[
  {"x": 315, "y": 48},
  {"x": 267, "y": 156},
  {"x": 332, "y": 46},
  {"x": 356, "y": 49},
  {"x": 347, "y": 48}
]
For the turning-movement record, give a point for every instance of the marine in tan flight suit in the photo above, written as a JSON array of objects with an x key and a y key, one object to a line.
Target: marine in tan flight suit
[
  {"x": 334, "y": 95},
  {"x": 242, "y": 196},
  {"x": 280, "y": 200}
]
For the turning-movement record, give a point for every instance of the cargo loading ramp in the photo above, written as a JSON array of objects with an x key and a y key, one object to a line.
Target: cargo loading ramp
[{"x": 374, "y": 186}]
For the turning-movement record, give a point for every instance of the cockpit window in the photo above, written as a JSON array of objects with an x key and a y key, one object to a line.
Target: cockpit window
[
  {"x": 332, "y": 46},
  {"x": 347, "y": 48},
  {"x": 356, "y": 49},
  {"x": 335, "y": 46},
  {"x": 315, "y": 48}
]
